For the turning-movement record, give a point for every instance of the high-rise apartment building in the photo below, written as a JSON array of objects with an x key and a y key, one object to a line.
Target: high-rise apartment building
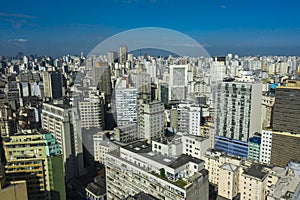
[
  {"x": 126, "y": 103},
  {"x": 63, "y": 123},
  {"x": 267, "y": 109},
  {"x": 189, "y": 118},
  {"x": 237, "y": 115},
  {"x": 178, "y": 82},
  {"x": 35, "y": 158},
  {"x": 151, "y": 119},
  {"x": 265, "y": 146},
  {"x": 13, "y": 190},
  {"x": 91, "y": 111},
  {"x": 286, "y": 107},
  {"x": 136, "y": 168}
]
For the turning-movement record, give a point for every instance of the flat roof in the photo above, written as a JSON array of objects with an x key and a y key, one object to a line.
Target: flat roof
[
  {"x": 184, "y": 159},
  {"x": 256, "y": 170},
  {"x": 145, "y": 149},
  {"x": 59, "y": 105},
  {"x": 139, "y": 147}
]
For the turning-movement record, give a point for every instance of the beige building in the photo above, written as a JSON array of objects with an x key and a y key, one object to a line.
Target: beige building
[
  {"x": 214, "y": 160},
  {"x": 102, "y": 145},
  {"x": 267, "y": 106},
  {"x": 253, "y": 182},
  {"x": 151, "y": 119},
  {"x": 228, "y": 186}
]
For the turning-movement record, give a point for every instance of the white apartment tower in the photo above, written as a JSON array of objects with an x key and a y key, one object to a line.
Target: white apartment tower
[
  {"x": 61, "y": 121},
  {"x": 92, "y": 112},
  {"x": 238, "y": 115},
  {"x": 178, "y": 82},
  {"x": 266, "y": 146},
  {"x": 126, "y": 103},
  {"x": 189, "y": 118}
]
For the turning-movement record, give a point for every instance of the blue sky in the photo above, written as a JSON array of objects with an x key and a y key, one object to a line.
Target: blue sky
[{"x": 245, "y": 27}]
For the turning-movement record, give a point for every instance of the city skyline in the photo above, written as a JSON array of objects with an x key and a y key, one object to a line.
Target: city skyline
[{"x": 221, "y": 27}]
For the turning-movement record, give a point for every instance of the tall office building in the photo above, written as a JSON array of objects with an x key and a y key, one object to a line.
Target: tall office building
[
  {"x": 102, "y": 78},
  {"x": 142, "y": 82},
  {"x": 126, "y": 103},
  {"x": 178, "y": 82},
  {"x": 151, "y": 119},
  {"x": 137, "y": 168},
  {"x": 285, "y": 148},
  {"x": 237, "y": 116},
  {"x": 35, "y": 158},
  {"x": 53, "y": 85},
  {"x": 111, "y": 57},
  {"x": 123, "y": 53},
  {"x": 63, "y": 123},
  {"x": 91, "y": 111},
  {"x": 286, "y": 107}
]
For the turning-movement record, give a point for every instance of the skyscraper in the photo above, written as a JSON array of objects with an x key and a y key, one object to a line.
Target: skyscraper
[
  {"x": 238, "y": 115},
  {"x": 61, "y": 121},
  {"x": 111, "y": 57},
  {"x": 178, "y": 82},
  {"x": 123, "y": 52},
  {"x": 285, "y": 148},
  {"x": 286, "y": 107},
  {"x": 126, "y": 103},
  {"x": 151, "y": 119},
  {"x": 53, "y": 85},
  {"x": 102, "y": 78},
  {"x": 91, "y": 111}
]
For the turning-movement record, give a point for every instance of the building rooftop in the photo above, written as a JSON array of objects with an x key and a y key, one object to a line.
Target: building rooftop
[
  {"x": 59, "y": 105},
  {"x": 257, "y": 171},
  {"x": 145, "y": 150},
  {"x": 141, "y": 196},
  {"x": 139, "y": 147},
  {"x": 183, "y": 159},
  {"x": 98, "y": 186},
  {"x": 96, "y": 189},
  {"x": 197, "y": 137},
  {"x": 229, "y": 167},
  {"x": 284, "y": 187}
]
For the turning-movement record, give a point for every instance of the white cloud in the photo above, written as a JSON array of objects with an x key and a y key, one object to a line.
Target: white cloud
[{"x": 21, "y": 40}]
